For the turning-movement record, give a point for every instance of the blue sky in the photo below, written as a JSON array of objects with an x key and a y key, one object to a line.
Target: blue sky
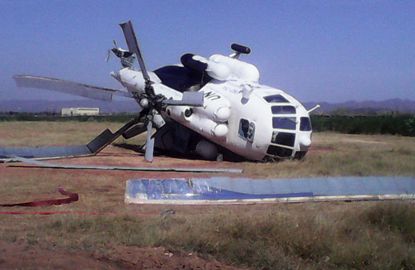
[{"x": 315, "y": 50}]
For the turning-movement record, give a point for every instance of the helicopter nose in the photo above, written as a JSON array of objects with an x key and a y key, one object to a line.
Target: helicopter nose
[{"x": 304, "y": 141}]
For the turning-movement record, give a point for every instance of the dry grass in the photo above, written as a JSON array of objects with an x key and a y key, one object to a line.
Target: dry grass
[
  {"x": 363, "y": 235},
  {"x": 40, "y": 133},
  {"x": 345, "y": 154},
  {"x": 331, "y": 153},
  {"x": 312, "y": 236}
]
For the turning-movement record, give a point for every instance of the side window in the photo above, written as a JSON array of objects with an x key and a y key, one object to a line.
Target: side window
[
  {"x": 247, "y": 130},
  {"x": 275, "y": 99},
  {"x": 284, "y": 122},
  {"x": 283, "y": 138},
  {"x": 305, "y": 124},
  {"x": 283, "y": 110}
]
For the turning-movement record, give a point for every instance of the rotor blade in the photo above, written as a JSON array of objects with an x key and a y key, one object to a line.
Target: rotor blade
[
  {"x": 68, "y": 87},
  {"x": 194, "y": 99},
  {"x": 134, "y": 131},
  {"x": 49, "y": 152},
  {"x": 148, "y": 156},
  {"x": 132, "y": 43}
]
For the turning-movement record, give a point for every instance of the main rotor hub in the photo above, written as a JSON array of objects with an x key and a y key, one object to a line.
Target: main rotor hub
[{"x": 144, "y": 103}]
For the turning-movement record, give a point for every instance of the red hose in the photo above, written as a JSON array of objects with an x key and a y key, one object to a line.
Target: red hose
[
  {"x": 47, "y": 213},
  {"x": 72, "y": 197}
]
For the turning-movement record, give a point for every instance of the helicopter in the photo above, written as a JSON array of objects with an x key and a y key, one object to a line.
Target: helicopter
[{"x": 207, "y": 107}]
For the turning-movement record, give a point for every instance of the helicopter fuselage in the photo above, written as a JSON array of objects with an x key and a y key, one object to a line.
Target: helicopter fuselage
[{"x": 254, "y": 121}]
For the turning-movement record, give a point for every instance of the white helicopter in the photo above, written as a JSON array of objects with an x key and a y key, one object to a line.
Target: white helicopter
[{"x": 209, "y": 107}]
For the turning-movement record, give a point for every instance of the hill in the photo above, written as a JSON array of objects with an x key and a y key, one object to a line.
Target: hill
[{"x": 367, "y": 107}]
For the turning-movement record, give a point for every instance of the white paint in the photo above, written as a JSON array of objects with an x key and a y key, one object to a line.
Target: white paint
[
  {"x": 223, "y": 68},
  {"x": 220, "y": 130},
  {"x": 239, "y": 70},
  {"x": 234, "y": 94}
]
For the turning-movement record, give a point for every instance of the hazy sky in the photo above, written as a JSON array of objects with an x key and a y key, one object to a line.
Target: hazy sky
[{"x": 315, "y": 50}]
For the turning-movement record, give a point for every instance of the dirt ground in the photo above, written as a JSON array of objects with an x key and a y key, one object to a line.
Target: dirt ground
[
  {"x": 19, "y": 255},
  {"x": 25, "y": 244},
  {"x": 93, "y": 186}
]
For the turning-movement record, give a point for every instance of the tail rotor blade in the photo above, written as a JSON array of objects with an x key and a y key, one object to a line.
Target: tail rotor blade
[
  {"x": 148, "y": 156},
  {"x": 132, "y": 43},
  {"x": 108, "y": 56}
]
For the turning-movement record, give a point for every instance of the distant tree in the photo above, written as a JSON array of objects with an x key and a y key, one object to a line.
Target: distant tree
[{"x": 410, "y": 125}]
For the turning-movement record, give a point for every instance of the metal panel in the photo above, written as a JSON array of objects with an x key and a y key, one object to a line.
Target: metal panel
[
  {"x": 44, "y": 152},
  {"x": 42, "y": 164},
  {"x": 243, "y": 190}
]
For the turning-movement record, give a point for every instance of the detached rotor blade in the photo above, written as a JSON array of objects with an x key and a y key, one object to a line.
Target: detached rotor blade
[
  {"x": 148, "y": 156},
  {"x": 68, "y": 87},
  {"x": 48, "y": 152},
  {"x": 194, "y": 99},
  {"x": 132, "y": 43},
  {"x": 134, "y": 131}
]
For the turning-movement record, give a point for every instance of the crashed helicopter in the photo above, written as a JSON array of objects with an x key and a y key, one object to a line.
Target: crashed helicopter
[{"x": 209, "y": 107}]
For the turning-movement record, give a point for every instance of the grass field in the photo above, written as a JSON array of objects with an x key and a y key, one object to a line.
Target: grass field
[
  {"x": 332, "y": 153},
  {"x": 356, "y": 235}
]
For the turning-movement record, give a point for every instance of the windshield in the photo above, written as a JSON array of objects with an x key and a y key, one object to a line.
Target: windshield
[
  {"x": 284, "y": 122},
  {"x": 305, "y": 124},
  {"x": 283, "y": 110}
]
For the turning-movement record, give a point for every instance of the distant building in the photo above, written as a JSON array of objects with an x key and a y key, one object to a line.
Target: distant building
[{"x": 79, "y": 111}]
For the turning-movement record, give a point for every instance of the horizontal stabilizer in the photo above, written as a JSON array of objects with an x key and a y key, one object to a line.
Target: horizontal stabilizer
[{"x": 68, "y": 87}]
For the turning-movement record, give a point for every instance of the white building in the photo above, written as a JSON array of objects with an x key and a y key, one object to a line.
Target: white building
[{"x": 79, "y": 111}]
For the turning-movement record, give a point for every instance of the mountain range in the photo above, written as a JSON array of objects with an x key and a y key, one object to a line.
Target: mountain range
[{"x": 121, "y": 106}]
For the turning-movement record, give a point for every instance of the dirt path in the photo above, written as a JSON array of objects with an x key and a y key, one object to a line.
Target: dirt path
[{"x": 19, "y": 255}]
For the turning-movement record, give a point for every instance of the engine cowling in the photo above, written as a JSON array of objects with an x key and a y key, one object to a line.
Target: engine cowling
[{"x": 221, "y": 67}]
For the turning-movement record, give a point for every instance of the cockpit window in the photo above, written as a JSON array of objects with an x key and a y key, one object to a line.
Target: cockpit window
[
  {"x": 283, "y": 138},
  {"x": 279, "y": 151},
  {"x": 275, "y": 99},
  {"x": 283, "y": 110},
  {"x": 284, "y": 122},
  {"x": 305, "y": 124}
]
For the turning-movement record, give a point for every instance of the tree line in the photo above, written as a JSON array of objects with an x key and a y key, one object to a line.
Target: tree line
[{"x": 396, "y": 124}]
